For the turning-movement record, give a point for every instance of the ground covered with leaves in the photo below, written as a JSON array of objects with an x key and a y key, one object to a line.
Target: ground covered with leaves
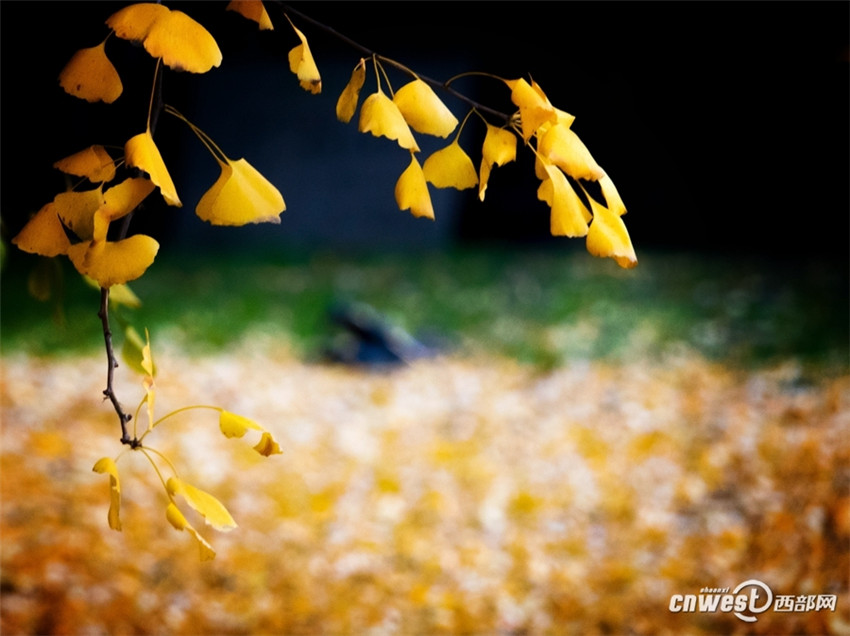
[{"x": 463, "y": 494}]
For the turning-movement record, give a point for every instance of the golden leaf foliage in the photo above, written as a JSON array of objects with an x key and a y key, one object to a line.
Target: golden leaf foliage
[
  {"x": 423, "y": 110},
  {"x": 254, "y": 10},
  {"x": 301, "y": 63},
  {"x": 210, "y": 508},
  {"x": 43, "y": 234},
  {"x": 534, "y": 107},
  {"x": 174, "y": 37},
  {"x": 93, "y": 163},
  {"x": 87, "y": 214},
  {"x": 561, "y": 146},
  {"x": 107, "y": 465},
  {"x": 499, "y": 148},
  {"x": 585, "y": 495},
  {"x": 179, "y": 522},
  {"x": 241, "y": 195},
  {"x": 90, "y": 75},
  {"x": 569, "y": 216},
  {"x": 114, "y": 262},
  {"x": 450, "y": 167},
  {"x": 559, "y": 154},
  {"x": 233, "y": 425},
  {"x": 608, "y": 236},
  {"x": 411, "y": 191},
  {"x": 346, "y": 105},
  {"x": 141, "y": 152},
  {"x": 380, "y": 116}
]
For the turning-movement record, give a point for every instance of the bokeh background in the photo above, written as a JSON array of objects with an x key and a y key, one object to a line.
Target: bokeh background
[{"x": 580, "y": 443}]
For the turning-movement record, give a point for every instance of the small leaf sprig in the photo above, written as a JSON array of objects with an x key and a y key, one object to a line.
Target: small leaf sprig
[{"x": 211, "y": 509}]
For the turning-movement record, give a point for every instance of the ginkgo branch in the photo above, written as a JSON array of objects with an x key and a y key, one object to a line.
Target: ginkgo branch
[{"x": 367, "y": 52}]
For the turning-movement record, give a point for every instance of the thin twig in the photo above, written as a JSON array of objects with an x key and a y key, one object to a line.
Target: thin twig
[{"x": 112, "y": 363}]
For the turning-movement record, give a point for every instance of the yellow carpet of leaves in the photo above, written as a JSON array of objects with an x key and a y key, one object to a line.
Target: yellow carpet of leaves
[{"x": 453, "y": 496}]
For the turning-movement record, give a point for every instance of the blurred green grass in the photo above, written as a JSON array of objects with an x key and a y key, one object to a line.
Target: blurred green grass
[{"x": 542, "y": 307}]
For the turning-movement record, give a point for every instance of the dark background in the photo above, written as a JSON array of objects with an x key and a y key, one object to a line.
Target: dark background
[{"x": 723, "y": 125}]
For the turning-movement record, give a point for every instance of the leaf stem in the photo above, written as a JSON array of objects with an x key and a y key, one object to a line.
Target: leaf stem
[
  {"x": 210, "y": 145},
  {"x": 178, "y": 411},
  {"x": 145, "y": 450}
]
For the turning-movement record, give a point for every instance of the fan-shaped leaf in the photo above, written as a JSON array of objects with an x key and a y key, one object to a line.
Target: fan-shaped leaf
[
  {"x": 141, "y": 152},
  {"x": 90, "y": 75},
  {"x": 450, "y": 167},
  {"x": 423, "y": 110},
  {"x": 107, "y": 465},
  {"x": 241, "y": 195},
  {"x": 208, "y": 506},
  {"x": 93, "y": 163},
  {"x": 381, "y": 117},
  {"x": 43, "y": 234},
  {"x": 411, "y": 191}
]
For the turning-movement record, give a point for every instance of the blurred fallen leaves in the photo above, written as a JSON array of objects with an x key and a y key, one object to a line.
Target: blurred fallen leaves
[{"x": 451, "y": 496}]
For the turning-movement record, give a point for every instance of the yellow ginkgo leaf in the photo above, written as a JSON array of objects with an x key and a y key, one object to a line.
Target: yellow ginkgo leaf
[
  {"x": 90, "y": 75},
  {"x": 253, "y": 10},
  {"x": 499, "y": 148},
  {"x": 147, "y": 357},
  {"x": 181, "y": 42},
  {"x": 301, "y": 63},
  {"x": 135, "y": 21},
  {"x": 77, "y": 210},
  {"x": 608, "y": 236},
  {"x": 213, "y": 511},
  {"x": 563, "y": 148},
  {"x": 93, "y": 163},
  {"x": 241, "y": 195},
  {"x": 233, "y": 425},
  {"x": 346, "y": 105},
  {"x": 148, "y": 369},
  {"x": 267, "y": 446},
  {"x": 107, "y": 465},
  {"x": 43, "y": 234},
  {"x": 125, "y": 197},
  {"x": 178, "y": 521},
  {"x": 423, "y": 110},
  {"x": 562, "y": 118},
  {"x": 534, "y": 107},
  {"x": 612, "y": 197},
  {"x": 450, "y": 167},
  {"x": 381, "y": 117},
  {"x": 568, "y": 216},
  {"x": 113, "y": 263},
  {"x": 411, "y": 191},
  {"x": 141, "y": 152},
  {"x": 483, "y": 178}
]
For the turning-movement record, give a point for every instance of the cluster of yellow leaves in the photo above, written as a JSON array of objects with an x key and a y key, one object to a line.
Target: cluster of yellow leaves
[
  {"x": 455, "y": 496},
  {"x": 241, "y": 194},
  {"x": 558, "y": 150},
  {"x": 87, "y": 214},
  {"x": 211, "y": 509}
]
